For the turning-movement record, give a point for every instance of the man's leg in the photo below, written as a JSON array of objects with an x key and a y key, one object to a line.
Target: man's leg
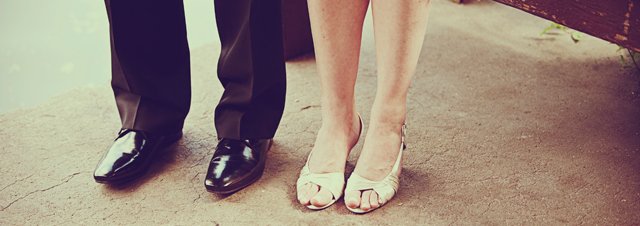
[
  {"x": 150, "y": 64},
  {"x": 251, "y": 69},
  {"x": 150, "y": 80}
]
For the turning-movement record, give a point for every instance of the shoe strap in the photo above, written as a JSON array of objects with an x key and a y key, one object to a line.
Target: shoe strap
[
  {"x": 403, "y": 134},
  {"x": 332, "y": 181},
  {"x": 385, "y": 188}
]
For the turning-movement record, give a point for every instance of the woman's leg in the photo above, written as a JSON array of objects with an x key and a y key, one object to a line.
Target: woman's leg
[
  {"x": 399, "y": 28},
  {"x": 337, "y": 30}
]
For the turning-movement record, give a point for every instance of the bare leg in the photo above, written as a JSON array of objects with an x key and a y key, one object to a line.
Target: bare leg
[
  {"x": 337, "y": 29},
  {"x": 399, "y": 28}
]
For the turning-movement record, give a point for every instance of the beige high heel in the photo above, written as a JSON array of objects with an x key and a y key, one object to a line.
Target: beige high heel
[
  {"x": 386, "y": 188},
  {"x": 332, "y": 181}
]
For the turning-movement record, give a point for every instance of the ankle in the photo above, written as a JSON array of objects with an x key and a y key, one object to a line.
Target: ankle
[
  {"x": 388, "y": 114},
  {"x": 341, "y": 131},
  {"x": 341, "y": 120},
  {"x": 347, "y": 129}
]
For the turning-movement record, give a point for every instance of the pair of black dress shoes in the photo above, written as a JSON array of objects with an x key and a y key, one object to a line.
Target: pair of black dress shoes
[{"x": 235, "y": 163}]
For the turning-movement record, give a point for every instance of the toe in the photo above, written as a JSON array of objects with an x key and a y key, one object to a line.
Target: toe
[
  {"x": 322, "y": 198},
  {"x": 364, "y": 200},
  {"x": 373, "y": 200},
  {"x": 352, "y": 199},
  {"x": 306, "y": 192}
]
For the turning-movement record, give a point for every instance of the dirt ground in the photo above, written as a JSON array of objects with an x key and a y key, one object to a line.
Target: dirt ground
[{"x": 505, "y": 127}]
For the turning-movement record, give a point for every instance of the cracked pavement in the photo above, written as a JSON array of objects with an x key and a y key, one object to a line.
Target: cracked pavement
[{"x": 504, "y": 127}]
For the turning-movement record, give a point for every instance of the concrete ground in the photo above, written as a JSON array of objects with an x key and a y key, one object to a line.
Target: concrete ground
[{"x": 505, "y": 127}]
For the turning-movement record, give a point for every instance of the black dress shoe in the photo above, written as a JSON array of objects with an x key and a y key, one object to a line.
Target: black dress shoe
[
  {"x": 236, "y": 164},
  {"x": 130, "y": 156}
]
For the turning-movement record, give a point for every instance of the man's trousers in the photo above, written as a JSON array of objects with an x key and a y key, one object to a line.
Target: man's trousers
[{"x": 151, "y": 70}]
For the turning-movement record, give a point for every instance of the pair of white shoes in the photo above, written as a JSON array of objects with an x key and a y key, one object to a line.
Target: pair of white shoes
[{"x": 334, "y": 182}]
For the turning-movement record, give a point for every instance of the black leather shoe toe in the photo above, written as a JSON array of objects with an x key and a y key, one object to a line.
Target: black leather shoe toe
[
  {"x": 236, "y": 164},
  {"x": 130, "y": 156}
]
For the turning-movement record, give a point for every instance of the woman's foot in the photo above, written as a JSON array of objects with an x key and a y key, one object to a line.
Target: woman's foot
[
  {"x": 378, "y": 156},
  {"x": 329, "y": 154}
]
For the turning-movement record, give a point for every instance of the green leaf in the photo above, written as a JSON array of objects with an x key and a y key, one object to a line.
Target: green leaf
[
  {"x": 548, "y": 28},
  {"x": 576, "y": 37}
]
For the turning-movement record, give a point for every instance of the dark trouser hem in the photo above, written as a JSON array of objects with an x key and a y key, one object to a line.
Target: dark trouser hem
[
  {"x": 251, "y": 68},
  {"x": 150, "y": 64},
  {"x": 157, "y": 119}
]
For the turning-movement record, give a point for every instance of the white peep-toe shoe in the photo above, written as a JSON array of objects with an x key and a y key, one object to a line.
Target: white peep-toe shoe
[
  {"x": 332, "y": 181},
  {"x": 386, "y": 188}
]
